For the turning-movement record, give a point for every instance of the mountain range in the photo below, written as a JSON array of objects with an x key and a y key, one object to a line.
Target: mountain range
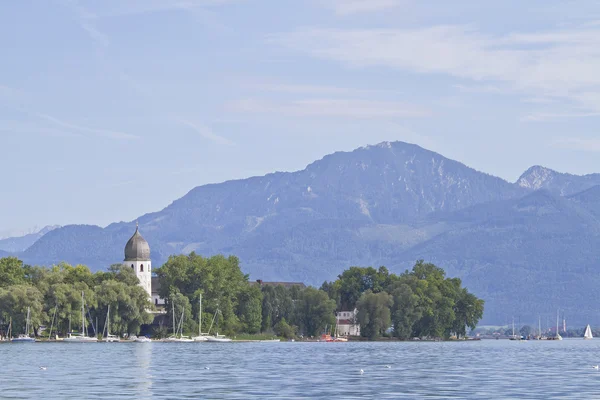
[{"x": 528, "y": 248}]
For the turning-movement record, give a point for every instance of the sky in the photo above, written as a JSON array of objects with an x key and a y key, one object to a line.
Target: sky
[{"x": 110, "y": 109}]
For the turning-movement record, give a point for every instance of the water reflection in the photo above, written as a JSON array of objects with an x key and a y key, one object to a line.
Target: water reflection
[{"x": 143, "y": 357}]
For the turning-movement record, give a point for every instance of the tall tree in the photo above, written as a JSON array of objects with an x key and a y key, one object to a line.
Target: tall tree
[
  {"x": 314, "y": 310},
  {"x": 11, "y": 272},
  {"x": 374, "y": 314}
]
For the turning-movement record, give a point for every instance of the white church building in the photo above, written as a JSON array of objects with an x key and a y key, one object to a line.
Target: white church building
[{"x": 137, "y": 257}]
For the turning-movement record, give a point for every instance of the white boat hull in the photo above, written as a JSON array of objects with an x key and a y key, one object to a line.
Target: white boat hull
[
  {"x": 23, "y": 340},
  {"x": 218, "y": 340},
  {"x": 80, "y": 339}
]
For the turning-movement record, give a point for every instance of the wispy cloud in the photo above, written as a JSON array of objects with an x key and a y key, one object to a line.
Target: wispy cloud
[
  {"x": 123, "y": 8},
  {"x": 561, "y": 63},
  {"x": 85, "y": 19},
  {"x": 580, "y": 144},
  {"x": 84, "y": 129},
  {"x": 20, "y": 128},
  {"x": 547, "y": 116},
  {"x": 347, "y": 7},
  {"x": 346, "y": 108},
  {"x": 312, "y": 89},
  {"x": 205, "y": 132}
]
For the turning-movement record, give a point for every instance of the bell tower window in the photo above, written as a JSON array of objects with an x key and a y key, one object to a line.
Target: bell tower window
[
  {"x": 142, "y": 268},
  {"x": 132, "y": 267}
]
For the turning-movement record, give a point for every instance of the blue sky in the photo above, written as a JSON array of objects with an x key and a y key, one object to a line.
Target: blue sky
[{"x": 110, "y": 109}]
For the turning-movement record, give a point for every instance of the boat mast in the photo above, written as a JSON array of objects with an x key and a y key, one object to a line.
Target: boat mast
[
  {"x": 82, "y": 316},
  {"x": 557, "y": 311},
  {"x": 27, "y": 322},
  {"x": 539, "y": 326},
  {"x": 108, "y": 322},
  {"x": 513, "y": 327},
  {"x": 52, "y": 324},
  {"x": 200, "y": 317},
  {"x": 173, "y": 304}
]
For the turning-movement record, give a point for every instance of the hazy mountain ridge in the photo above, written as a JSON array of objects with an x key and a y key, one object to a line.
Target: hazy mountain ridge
[
  {"x": 538, "y": 177},
  {"x": 21, "y": 243},
  {"x": 388, "y": 204}
]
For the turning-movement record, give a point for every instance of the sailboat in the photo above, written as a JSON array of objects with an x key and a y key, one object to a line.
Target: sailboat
[
  {"x": 177, "y": 337},
  {"x": 24, "y": 337},
  {"x": 56, "y": 337},
  {"x": 588, "y": 332},
  {"x": 217, "y": 338},
  {"x": 109, "y": 337},
  {"x": 80, "y": 337},
  {"x": 557, "y": 337},
  {"x": 201, "y": 337},
  {"x": 513, "y": 336}
]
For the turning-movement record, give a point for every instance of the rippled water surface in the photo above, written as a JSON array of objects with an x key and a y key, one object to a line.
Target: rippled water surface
[{"x": 473, "y": 370}]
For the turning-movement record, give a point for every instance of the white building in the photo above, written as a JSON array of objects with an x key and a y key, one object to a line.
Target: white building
[
  {"x": 137, "y": 256},
  {"x": 347, "y": 323}
]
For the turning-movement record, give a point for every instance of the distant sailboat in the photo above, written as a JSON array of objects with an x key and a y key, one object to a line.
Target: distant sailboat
[
  {"x": 177, "y": 332},
  {"x": 109, "y": 337},
  {"x": 25, "y": 338},
  {"x": 81, "y": 337},
  {"x": 513, "y": 336},
  {"x": 201, "y": 337},
  {"x": 588, "y": 332},
  {"x": 557, "y": 337}
]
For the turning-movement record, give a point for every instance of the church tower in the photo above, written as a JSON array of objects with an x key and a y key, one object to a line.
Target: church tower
[{"x": 137, "y": 257}]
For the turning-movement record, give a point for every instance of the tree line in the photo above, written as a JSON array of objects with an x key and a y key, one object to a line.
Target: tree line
[
  {"x": 54, "y": 297},
  {"x": 418, "y": 303},
  {"x": 421, "y": 302}
]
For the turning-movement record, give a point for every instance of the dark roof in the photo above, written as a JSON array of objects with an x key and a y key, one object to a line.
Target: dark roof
[
  {"x": 345, "y": 322},
  {"x": 284, "y": 284},
  {"x": 137, "y": 249}
]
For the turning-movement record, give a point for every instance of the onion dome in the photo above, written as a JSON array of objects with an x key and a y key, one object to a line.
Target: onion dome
[{"x": 137, "y": 249}]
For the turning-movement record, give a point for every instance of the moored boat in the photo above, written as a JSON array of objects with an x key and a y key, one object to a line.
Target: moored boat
[
  {"x": 81, "y": 337},
  {"x": 24, "y": 337}
]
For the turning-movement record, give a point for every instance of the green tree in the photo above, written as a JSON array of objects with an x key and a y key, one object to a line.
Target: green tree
[
  {"x": 249, "y": 309},
  {"x": 14, "y": 302},
  {"x": 314, "y": 310},
  {"x": 285, "y": 330},
  {"x": 355, "y": 281},
  {"x": 11, "y": 272},
  {"x": 278, "y": 303},
  {"x": 128, "y": 306},
  {"x": 218, "y": 278},
  {"x": 374, "y": 314},
  {"x": 468, "y": 311},
  {"x": 406, "y": 310}
]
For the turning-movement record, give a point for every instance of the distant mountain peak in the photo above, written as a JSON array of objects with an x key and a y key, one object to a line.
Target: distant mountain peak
[
  {"x": 563, "y": 184},
  {"x": 536, "y": 177},
  {"x": 21, "y": 242}
]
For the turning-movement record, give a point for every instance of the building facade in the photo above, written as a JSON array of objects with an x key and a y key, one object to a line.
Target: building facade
[
  {"x": 347, "y": 323},
  {"x": 137, "y": 257}
]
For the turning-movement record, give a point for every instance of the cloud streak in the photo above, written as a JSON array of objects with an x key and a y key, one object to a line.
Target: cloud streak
[
  {"x": 348, "y": 7},
  {"x": 86, "y": 130},
  {"x": 206, "y": 132},
  {"x": 325, "y": 107},
  {"x": 561, "y": 64}
]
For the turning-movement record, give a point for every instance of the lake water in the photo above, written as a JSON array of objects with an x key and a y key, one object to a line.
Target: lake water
[{"x": 498, "y": 369}]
